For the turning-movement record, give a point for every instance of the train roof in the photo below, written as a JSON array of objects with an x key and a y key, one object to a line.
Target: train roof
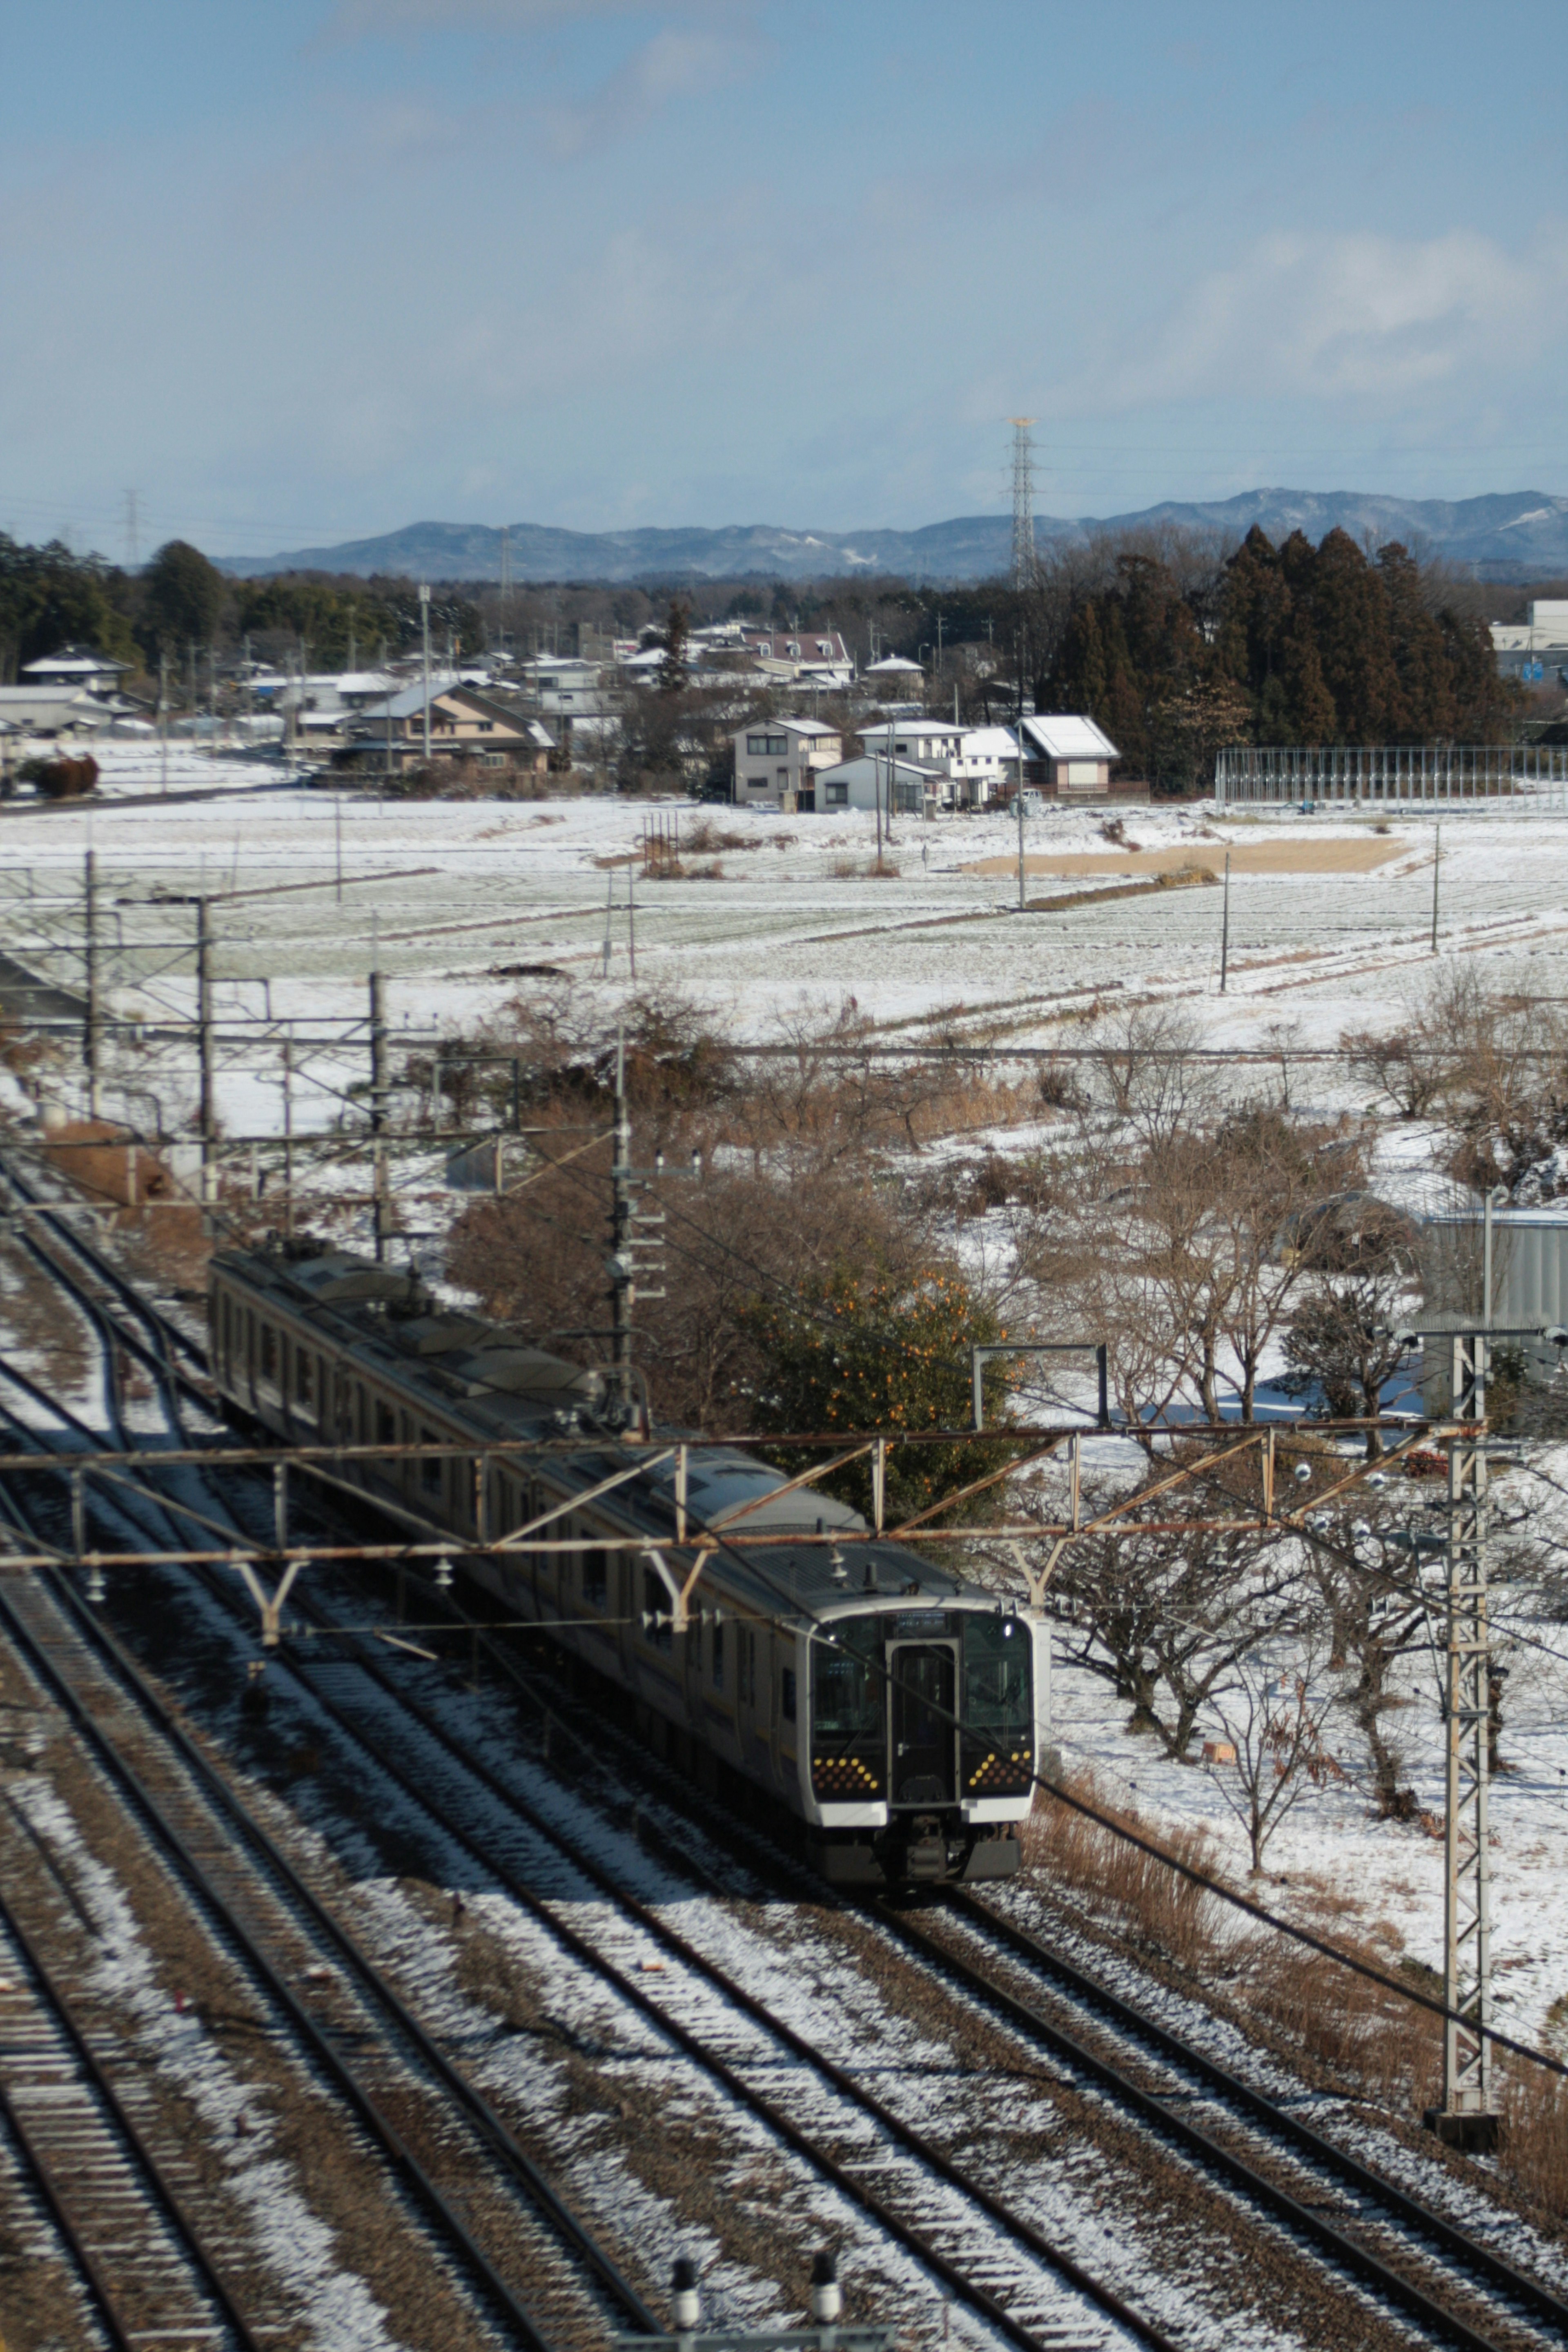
[{"x": 506, "y": 1391}]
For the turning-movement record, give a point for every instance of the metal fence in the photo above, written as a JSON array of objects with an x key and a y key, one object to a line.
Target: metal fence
[{"x": 1407, "y": 775}]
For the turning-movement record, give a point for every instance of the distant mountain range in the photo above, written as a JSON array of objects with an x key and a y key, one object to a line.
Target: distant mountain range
[{"x": 1519, "y": 535}]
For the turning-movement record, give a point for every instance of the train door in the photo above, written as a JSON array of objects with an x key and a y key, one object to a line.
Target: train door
[{"x": 923, "y": 1693}]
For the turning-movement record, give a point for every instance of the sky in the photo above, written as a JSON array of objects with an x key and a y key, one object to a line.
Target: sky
[{"x": 317, "y": 269}]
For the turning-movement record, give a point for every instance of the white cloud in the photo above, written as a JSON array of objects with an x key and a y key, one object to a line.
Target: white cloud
[
  {"x": 674, "y": 64},
  {"x": 1360, "y": 315}
]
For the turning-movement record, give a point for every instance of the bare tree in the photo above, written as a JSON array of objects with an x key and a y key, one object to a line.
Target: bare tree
[
  {"x": 1164, "y": 1615},
  {"x": 1274, "y": 1719}
]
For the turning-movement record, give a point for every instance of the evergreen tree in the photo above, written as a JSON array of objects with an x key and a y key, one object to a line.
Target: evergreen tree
[{"x": 183, "y": 599}]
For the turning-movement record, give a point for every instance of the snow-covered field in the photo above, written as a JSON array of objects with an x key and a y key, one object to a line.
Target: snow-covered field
[{"x": 792, "y": 922}]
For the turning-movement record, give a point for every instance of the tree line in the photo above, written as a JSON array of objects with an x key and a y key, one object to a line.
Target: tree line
[{"x": 181, "y": 606}]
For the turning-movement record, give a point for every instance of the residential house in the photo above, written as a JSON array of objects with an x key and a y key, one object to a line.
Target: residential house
[
  {"x": 1530, "y": 651},
  {"x": 975, "y": 762},
  {"x": 54, "y": 710},
  {"x": 779, "y": 760},
  {"x": 813, "y": 656},
  {"x": 893, "y": 680},
  {"x": 919, "y": 788},
  {"x": 78, "y": 667},
  {"x": 464, "y": 725},
  {"x": 1067, "y": 757}
]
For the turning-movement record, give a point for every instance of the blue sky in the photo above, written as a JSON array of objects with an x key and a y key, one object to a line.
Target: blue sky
[{"x": 315, "y": 270}]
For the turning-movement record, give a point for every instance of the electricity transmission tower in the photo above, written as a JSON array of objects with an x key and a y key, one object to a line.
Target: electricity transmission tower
[{"x": 1023, "y": 501}]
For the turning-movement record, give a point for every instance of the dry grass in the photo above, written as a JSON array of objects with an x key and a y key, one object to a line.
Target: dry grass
[{"x": 1346, "y": 2030}]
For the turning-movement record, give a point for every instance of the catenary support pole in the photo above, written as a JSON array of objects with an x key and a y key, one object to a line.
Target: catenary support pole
[
  {"x": 289, "y": 1129},
  {"x": 1437, "y": 871},
  {"x": 92, "y": 1030},
  {"x": 205, "y": 1115},
  {"x": 378, "y": 1095},
  {"x": 1018, "y": 797},
  {"x": 1225, "y": 930},
  {"x": 1467, "y": 2117},
  {"x": 425, "y": 636}
]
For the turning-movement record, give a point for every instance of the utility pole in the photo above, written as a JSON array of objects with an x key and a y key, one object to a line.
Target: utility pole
[
  {"x": 892, "y": 775},
  {"x": 378, "y": 1090},
  {"x": 133, "y": 534},
  {"x": 1467, "y": 2118},
  {"x": 205, "y": 1114},
  {"x": 1436, "y": 870},
  {"x": 623, "y": 1274},
  {"x": 92, "y": 1033},
  {"x": 212, "y": 690},
  {"x": 164, "y": 721},
  {"x": 1225, "y": 927},
  {"x": 1018, "y": 796},
  {"x": 1023, "y": 502},
  {"x": 425, "y": 634},
  {"x": 289, "y": 1129},
  {"x": 624, "y": 1264}
]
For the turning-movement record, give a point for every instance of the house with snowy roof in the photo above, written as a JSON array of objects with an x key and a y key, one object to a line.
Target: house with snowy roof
[
  {"x": 78, "y": 667},
  {"x": 1068, "y": 756}
]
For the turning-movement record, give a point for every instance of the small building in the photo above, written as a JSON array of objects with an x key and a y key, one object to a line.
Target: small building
[
  {"x": 1529, "y": 650},
  {"x": 1067, "y": 757},
  {"x": 464, "y": 725},
  {"x": 893, "y": 680},
  {"x": 780, "y": 759},
  {"x": 862, "y": 783},
  {"x": 78, "y": 667},
  {"x": 50, "y": 712}
]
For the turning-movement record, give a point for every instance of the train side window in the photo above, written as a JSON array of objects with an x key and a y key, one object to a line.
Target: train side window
[
  {"x": 786, "y": 1693},
  {"x": 626, "y": 1587},
  {"x": 269, "y": 1352},
  {"x": 249, "y": 1335},
  {"x": 303, "y": 1370},
  {"x": 430, "y": 1464},
  {"x": 596, "y": 1578},
  {"x": 718, "y": 1653},
  {"x": 227, "y": 1326},
  {"x": 746, "y": 1665},
  {"x": 385, "y": 1424}
]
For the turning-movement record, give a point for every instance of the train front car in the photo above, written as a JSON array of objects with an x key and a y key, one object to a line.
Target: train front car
[{"x": 924, "y": 1723}]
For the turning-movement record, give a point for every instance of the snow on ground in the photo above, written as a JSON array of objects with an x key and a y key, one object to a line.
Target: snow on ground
[{"x": 792, "y": 921}]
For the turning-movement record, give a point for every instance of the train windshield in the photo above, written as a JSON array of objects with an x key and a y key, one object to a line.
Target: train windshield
[
  {"x": 998, "y": 1684},
  {"x": 847, "y": 1682}
]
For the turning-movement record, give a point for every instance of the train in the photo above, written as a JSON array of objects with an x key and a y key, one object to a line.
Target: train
[{"x": 894, "y": 1709}]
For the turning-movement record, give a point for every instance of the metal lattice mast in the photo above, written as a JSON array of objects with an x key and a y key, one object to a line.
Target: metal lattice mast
[
  {"x": 1467, "y": 2117},
  {"x": 1023, "y": 502}
]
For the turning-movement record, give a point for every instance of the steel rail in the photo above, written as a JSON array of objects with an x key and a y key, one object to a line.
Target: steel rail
[
  {"x": 319, "y": 2044},
  {"x": 1176, "y": 2049},
  {"x": 163, "y": 2196},
  {"x": 1497, "y": 2274},
  {"x": 916, "y": 2143},
  {"x": 1157, "y": 2112}
]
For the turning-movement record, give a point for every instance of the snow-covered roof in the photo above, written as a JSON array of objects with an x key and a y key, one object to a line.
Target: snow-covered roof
[
  {"x": 73, "y": 661},
  {"x": 1060, "y": 736},
  {"x": 990, "y": 743},
  {"x": 892, "y": 663}
]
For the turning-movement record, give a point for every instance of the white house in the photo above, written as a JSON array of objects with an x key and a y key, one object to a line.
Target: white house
[
  {"x": 1542, "y": 642},
  {"x": 862, "y": 783},
  {"x": 74, "y": 666},
  {"x": 894, "y": 679},
  {"x": 975, "y": 760},
  {"x": 1067, "y": 755},
  {"x": 52, "y": 710},
  {"x": 779, "y": 760}
]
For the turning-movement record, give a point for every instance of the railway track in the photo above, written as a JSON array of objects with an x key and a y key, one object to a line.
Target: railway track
[
  {"x": 512, "y": 2246},
  {"x": 124, "y": 2214},
  {"x": 1409, "y": 2257}
]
